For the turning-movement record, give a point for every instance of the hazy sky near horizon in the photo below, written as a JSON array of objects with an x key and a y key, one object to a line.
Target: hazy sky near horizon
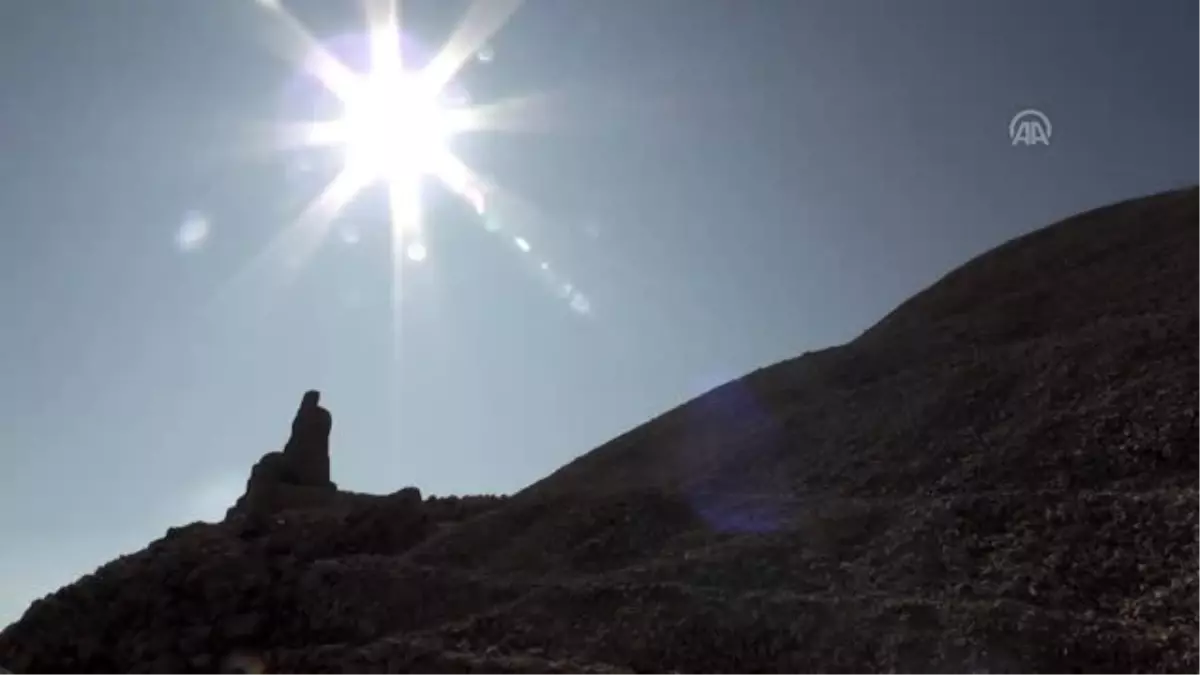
[{"x": 727, "y": 184}]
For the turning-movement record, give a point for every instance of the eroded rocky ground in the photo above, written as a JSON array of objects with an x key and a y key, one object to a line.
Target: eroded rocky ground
[{"x": 1001, "y": 475}]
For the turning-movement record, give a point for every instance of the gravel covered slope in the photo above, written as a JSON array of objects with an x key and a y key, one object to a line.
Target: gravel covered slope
[{"x": 1000, "y": 475}]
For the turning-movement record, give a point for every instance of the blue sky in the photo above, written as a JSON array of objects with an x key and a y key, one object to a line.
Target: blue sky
[{"x": 728, "y": 184}]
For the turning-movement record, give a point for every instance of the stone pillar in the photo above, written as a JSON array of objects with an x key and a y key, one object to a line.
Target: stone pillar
[
  {"x": 297, "y": 477},
  {"x": 307, "y": 451}
]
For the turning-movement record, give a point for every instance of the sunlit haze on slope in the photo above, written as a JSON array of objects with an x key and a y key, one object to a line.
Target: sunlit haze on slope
[{"x": 496, "y": 234}]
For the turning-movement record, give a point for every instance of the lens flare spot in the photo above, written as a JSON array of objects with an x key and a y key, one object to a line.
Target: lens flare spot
[
  {"x": 522, "y": 244},
  {"x": 580, "y": 304},
  {"x": 193, "y": 232},
  {"x": 416, "y": 251},
  {"x": 477, "y": 199},
  {"x": 243, "y": 662}
]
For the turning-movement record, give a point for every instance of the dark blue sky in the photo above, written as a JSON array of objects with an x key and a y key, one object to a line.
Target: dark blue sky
[{"x": 729, "y": 183}]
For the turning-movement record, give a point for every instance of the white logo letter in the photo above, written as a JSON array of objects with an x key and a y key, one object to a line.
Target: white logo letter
[{"x": 1030, "y": 127}]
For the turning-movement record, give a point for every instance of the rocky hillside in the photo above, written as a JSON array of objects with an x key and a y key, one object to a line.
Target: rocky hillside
[{"x": 1002, "y": 474}]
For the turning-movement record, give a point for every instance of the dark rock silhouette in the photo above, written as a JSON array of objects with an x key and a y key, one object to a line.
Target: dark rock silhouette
[
  {"x": 297, "y": 476},
  {"x": 1001, "y": 475},
  {"x": 308, "y": 447}
]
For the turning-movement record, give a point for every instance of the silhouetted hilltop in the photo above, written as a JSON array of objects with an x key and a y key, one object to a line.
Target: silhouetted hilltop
[{"x": 1002, "y": 474}]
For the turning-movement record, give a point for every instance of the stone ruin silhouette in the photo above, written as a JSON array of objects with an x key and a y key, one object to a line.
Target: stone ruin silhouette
[{"x": 297, "y": 476}]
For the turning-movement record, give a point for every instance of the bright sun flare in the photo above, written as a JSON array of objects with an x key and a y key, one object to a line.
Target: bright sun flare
[
  {"x": 393, "y": 128},
  {"x": 394, "y": 125}
]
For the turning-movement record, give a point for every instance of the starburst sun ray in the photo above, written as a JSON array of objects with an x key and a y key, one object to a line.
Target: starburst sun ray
[
  {"x": 293, "y": 41},
  {"x": 393, "y": 130},
  {"x": 483, "y": 19}
]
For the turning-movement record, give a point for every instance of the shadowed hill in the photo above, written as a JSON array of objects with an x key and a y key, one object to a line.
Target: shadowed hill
[{"x": 1000, "y": 475}]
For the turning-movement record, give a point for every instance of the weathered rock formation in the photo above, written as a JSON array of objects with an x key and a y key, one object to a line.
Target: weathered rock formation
[
  {"x": 307, "y": 450},
  {"x": 1002, "y": 475},
  {"x": 297, "y": 477}
]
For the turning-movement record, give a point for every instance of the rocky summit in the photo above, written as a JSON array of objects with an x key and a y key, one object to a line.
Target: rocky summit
[{"x": 1001, "y": 475}]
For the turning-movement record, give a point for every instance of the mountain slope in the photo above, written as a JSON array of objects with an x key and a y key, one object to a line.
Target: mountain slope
[{"x": 999, "y": 475}]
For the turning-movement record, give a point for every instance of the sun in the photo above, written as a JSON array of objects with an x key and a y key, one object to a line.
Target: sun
[
  {"x": 393, "y": 128},
  {"x": 393, "y": 123}
]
